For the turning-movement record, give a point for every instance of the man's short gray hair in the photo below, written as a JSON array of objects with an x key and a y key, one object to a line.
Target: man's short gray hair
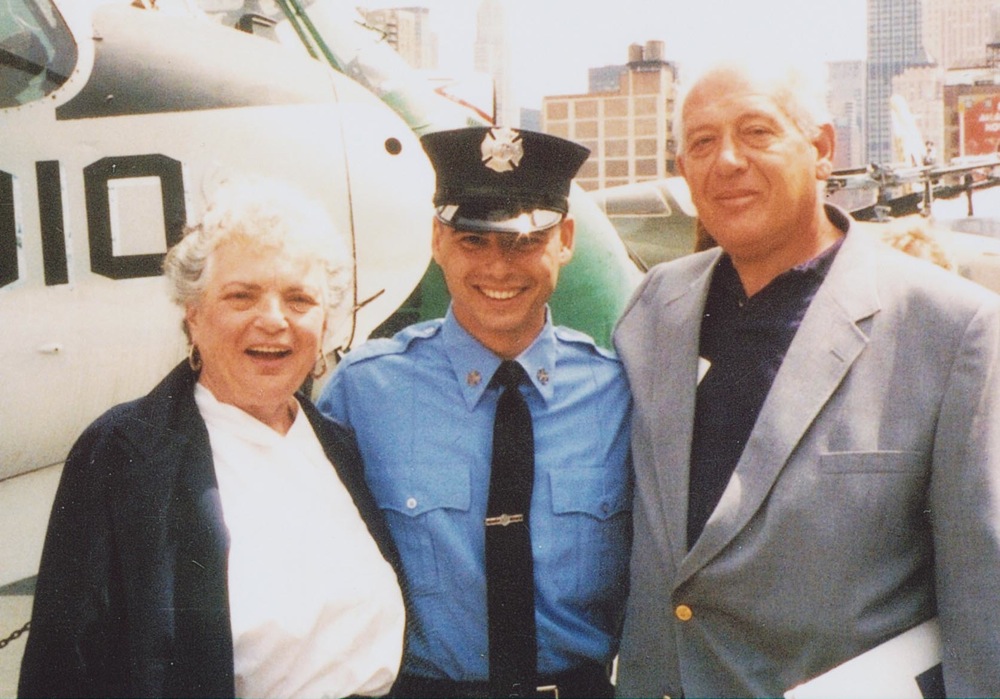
[{"x": 799, "y": 88}]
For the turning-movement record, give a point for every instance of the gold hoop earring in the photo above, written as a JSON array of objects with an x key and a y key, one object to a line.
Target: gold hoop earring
[
  {"x": 194, "y": 358},
  {"x": 320, "y": 367}
]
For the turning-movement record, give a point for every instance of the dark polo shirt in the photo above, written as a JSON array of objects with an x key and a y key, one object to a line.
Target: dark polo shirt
[{"x": 745, "y": 339}]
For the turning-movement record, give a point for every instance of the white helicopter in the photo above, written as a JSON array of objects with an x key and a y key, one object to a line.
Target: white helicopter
[
  {"x": 114, "y": 124},
  {"x": 116, "y": 118}
]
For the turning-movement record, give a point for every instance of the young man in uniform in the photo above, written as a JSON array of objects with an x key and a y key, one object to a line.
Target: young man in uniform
[{"x": 514, "y": 546}]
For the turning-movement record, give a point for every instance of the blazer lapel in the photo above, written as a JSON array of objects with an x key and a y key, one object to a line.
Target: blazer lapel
[
  {"x": 822, "y": 352},
  {"x": 673, "y": 384}
]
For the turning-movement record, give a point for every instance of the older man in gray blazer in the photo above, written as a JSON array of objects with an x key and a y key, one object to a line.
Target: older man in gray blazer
[{"x": 816, "y": 431}]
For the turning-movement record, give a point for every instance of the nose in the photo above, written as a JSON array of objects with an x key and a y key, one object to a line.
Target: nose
[
  {"x": 500, "y": 254},
  {"x": 730, "y": 155},
  {"x": 271, "y": 314}
]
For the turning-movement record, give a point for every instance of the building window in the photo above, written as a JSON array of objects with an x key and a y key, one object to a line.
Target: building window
[
  {"x": 585, "y": 129},
  {"x": 616, "y": 107},
  {"x": 645, "y": 147},
  {"x": 557, "y": 110},
  {"x": 616, "y": 148},
  {"x": 646, "y": 127},
  {"x": 645, "y": 105},
  {"x": 616, "y": 128},
  {"x": 616, "y": 168},
  {"x": 585, "y": 109},
  {"x": 587, "y": 170},
  {"x": 646, "y": 167}
]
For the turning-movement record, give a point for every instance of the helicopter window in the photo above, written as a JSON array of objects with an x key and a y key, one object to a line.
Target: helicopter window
[{"x": 37, "y": 52}]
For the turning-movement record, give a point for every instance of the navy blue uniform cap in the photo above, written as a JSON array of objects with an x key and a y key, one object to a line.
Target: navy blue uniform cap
[{"x": 502, "y": 179}]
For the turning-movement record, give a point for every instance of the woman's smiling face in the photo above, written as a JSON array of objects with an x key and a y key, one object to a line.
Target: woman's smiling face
[{"x": 258, "y": 326}]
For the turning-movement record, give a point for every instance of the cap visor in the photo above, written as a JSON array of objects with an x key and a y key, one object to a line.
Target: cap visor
[{"x": 460, "y": 218}]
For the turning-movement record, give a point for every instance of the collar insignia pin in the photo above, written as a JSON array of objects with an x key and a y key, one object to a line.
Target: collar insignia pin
[
  {"x": 473, "y": 378},
  {"x": 543, "y": 377},
  {"x": 502, "y": 149}
]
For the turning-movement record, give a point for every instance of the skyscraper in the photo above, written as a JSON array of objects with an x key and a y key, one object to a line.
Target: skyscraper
[
  {"x": 956, "y": 32},
  {"x": 895, "y": 43},
  {"x": 407, "y": 29},
  {"x": 492, "y": 57}
]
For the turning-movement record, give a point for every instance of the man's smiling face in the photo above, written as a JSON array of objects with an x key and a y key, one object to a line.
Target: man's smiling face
[{"x": 500, "y": 282}]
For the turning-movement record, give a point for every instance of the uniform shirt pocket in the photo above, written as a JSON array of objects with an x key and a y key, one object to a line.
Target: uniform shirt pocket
[
  {"x": 591, "y": 521},
  {"x": 424, "y": 505}
]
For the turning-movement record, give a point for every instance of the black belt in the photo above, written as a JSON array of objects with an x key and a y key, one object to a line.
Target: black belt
[{"x": 587, "y": 682}]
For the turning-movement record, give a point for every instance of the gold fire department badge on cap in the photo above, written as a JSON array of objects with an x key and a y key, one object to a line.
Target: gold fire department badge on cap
[{"x": 502, "y": 149}]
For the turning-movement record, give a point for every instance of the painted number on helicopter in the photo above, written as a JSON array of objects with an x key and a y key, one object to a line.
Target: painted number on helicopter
[{"x": 105, "y": 182}]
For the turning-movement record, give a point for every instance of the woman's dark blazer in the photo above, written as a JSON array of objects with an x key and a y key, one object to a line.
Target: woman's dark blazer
[{"x": 132, "y": 594}]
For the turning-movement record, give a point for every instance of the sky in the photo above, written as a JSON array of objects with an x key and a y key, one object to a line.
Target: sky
[{"x": 554, "y": 42}]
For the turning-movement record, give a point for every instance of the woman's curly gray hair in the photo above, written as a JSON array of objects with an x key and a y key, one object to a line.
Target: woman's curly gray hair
[{"x": 269, "y": 214}]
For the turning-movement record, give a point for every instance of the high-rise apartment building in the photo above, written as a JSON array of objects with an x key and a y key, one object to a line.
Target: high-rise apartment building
[
  {"x": 846, "y": 101},
  {"x": 407, "y": 30},
  {"x": 492, "y": 57},
  {"x": 895, "y": 43},
  {"x": 956, "y": 32},
  {"x": 628, "y": 129},
  {"x": 961, "y": 41}
]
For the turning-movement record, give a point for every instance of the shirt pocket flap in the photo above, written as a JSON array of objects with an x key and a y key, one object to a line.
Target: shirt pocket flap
[
  {"x": 416, "y": 490},
  {"x": 597, "y": 492}
]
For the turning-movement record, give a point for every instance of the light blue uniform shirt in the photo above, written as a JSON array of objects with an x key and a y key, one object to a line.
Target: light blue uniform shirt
[{"x": 422, "y": 410}]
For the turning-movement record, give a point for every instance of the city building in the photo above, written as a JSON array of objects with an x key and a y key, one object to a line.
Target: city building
[
  {"x": 921, "y": 90},
  {"x": 492, "y": 57},
  {"x": 605, "y": 78},
  {"x": 951, "y": 100},
  {"x": 846, "y": 101},
  {"x": 407, "y": 30},
  {"x": 895, "y": 43},
  {"x": 531, "y": 119},
  {"x": 629, "y": 128},
  {"x": 955, "y": 31}
]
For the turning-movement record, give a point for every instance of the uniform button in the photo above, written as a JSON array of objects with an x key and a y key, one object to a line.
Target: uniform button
[
  {"x": 411, "y": 503},
  {"x": 683, "y": 612}
]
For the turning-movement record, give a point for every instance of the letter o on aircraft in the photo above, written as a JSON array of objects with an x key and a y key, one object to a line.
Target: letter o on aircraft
[{"x": 96, "y": 176}]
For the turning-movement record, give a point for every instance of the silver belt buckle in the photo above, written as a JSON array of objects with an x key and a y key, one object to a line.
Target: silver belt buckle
[{"x": 549, "y": 689}]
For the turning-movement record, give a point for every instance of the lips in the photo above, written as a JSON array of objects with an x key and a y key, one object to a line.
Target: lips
[
  {"x": 735, "y": 197},
  {"x": 499, "y": 294},
  {"x": 260, "y": 352}
]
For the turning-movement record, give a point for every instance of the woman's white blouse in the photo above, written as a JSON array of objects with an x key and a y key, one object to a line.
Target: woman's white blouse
[{"x": 316, "y": 610}]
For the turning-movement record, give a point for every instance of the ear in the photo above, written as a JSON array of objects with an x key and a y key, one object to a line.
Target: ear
[
  {"x": 825, "y": 144},
  {"x": 680, "y": 166},
  {"x": 567, "y": 238},
  {"x": 437, "y": 232},
  {"x": 191, "y": 320}
]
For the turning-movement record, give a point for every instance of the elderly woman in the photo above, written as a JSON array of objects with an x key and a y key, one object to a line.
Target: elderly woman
[{"x": 216, "y": 537}]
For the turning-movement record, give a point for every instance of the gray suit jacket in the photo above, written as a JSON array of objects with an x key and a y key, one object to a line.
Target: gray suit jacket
[{"x": 866, "y": 500}]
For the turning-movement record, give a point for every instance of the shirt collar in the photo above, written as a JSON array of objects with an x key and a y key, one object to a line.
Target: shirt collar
[
  {"x": 236, "y": 421},
  {"x": 474, "y": 364},
  {"x": 811, "y": 272}
]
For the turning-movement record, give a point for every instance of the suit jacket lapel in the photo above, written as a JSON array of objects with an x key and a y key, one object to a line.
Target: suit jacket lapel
[
  {"x": 820, "y": 355},
  {"x": 673, "y": 384}
]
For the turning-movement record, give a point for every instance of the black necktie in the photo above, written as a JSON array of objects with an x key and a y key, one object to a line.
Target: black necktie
[{"x": 510, "y": 585}]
